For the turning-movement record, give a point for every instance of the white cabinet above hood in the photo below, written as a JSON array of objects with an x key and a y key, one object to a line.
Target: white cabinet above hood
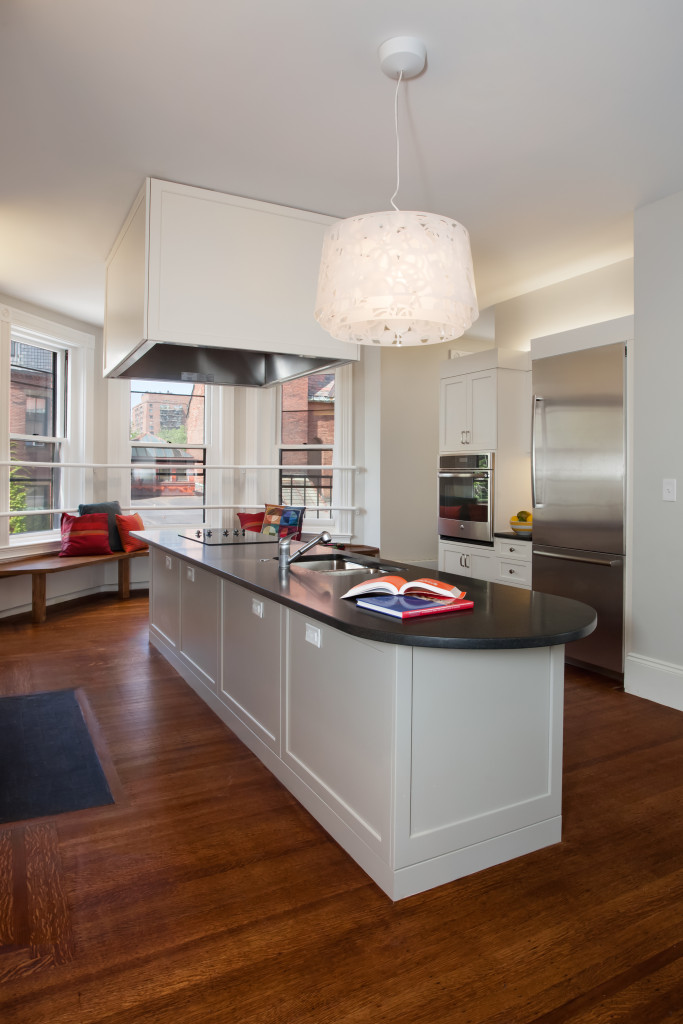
[{"x": 208, "y": 287}]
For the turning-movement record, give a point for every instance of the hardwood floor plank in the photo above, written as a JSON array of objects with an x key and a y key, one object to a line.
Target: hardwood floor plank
[{"x": 207, "y": 894}]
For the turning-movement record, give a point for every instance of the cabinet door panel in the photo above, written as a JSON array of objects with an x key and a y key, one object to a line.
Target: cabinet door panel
[
  {"x": 454, "y": 416},
  {"x": 250, "y": 684},
  {"x": 199, "y": 621},
  {"x": 483, "y": 415},
  {"x": 339, "y": 715},
  {"x": 454, "y": 560},
  {"x": 164, "y": 608}
]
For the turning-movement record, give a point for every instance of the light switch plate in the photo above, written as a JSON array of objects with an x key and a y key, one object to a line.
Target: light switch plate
[
  {"x": 668, "y": 490},
  {"x": 257, "y": 607}
]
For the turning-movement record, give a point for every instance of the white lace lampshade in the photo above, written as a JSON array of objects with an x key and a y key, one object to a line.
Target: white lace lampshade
[{"x": 396, "y": 278}]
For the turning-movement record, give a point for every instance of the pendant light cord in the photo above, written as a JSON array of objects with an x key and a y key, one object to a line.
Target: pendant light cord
[{"x": 398, "y": 152}]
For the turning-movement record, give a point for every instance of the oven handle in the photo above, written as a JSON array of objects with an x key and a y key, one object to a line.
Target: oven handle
[{"x": 465, "y": 472}]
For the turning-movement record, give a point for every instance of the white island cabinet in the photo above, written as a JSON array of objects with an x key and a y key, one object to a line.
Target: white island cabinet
[
  {"x": 251, "y": 638},
  {"x": 427, "y": 752},
  {"x": 184, "y": 612}
]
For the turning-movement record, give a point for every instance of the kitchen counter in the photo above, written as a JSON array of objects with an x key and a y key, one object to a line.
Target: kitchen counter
[
  {"x": 428, "y": 749},
  {"x": 502, "y": 617}
]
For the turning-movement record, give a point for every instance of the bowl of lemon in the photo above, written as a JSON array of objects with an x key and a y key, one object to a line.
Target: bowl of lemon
[{"x": 522, "y": 523}]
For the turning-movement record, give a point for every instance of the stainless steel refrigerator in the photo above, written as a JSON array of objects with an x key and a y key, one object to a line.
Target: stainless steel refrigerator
[{"x": 578, "y": 483}]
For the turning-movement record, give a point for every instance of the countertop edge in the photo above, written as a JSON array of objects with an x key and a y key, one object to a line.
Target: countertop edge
[{"x": 432, "y": 632}]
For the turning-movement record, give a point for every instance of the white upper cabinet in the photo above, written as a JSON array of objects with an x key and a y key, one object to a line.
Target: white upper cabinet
[
  {"x": 483, "y": 397},
  {"x": 468, "y": 412},
  {"x": 195, "y": 267}
]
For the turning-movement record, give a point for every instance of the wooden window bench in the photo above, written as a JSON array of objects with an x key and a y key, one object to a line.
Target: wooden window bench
[{"x": 39, "y": 566}]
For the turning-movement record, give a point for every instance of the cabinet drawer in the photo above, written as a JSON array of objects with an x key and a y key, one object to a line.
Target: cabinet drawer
[
  {"x": 511, "y": 571},
  {"x": 513, "y": 548}
]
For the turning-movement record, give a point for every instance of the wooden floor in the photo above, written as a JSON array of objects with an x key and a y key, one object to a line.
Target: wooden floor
[{"x": 207, "y": 894}]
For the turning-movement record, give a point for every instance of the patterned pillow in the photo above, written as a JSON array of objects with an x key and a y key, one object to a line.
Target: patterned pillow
[
  {"x": 112, "y": 508},
  {"x": 251, "y": 521},
  {"x": 127, "y": 523},
  {"x": 283, "y": 521},
  {"x": 85, "y": 535}
]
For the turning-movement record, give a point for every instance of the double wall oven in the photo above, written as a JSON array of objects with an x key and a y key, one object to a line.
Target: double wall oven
[{"x": 466, "y": 497}]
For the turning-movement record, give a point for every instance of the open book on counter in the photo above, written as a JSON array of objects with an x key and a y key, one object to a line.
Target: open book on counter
[
  {"x": 393, "y": 595},
  {"x": 398, "y": 585}
]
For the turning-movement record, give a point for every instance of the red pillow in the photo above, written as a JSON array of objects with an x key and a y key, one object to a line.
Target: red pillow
[
  {"x": 127, "y": 523},
  {"x": 251, "y": 520},
  {"x": 85, "y": 535}
]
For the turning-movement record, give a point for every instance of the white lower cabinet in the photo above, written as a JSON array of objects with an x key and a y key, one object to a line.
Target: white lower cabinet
[
  {"x": 338, "y": 731},
  {"x": 200, "y": 597},
  {"x": 506, "y": 562},
  {"x": 512, "y": 562},
  {"x": 164, "y": 601},
  {"x": 250, "y": 681},
  {"x": 465, "y": 560}
]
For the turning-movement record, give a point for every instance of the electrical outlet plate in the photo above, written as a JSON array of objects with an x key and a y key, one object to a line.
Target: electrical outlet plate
[
  {"x": 313, "y": 635},
  {"x": 668, "y": 490}
]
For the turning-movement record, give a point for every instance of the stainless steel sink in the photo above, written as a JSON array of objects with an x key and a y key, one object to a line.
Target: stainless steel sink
[{"x": 339, "y": 565}]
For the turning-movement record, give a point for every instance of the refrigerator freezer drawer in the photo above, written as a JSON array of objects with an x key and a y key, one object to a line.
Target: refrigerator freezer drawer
[{"x": 597, "y": 579}]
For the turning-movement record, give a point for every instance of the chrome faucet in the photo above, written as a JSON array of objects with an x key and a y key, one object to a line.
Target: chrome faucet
[{"x": 284, "y": 559}]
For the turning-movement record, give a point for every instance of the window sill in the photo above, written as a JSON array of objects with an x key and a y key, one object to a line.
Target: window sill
[{"x": 28, "y": 545}]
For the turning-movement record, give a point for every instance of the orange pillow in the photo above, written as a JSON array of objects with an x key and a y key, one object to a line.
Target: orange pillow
[
  {"x": 124, "y": 525},
  {"x": 85, "y": 535}
]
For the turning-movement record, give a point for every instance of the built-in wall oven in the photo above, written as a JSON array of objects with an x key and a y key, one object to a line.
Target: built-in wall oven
[{"x": 466, "y": 497}]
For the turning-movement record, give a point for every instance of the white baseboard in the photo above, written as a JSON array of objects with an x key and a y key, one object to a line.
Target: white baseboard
[{"x": 659, "y": 681}]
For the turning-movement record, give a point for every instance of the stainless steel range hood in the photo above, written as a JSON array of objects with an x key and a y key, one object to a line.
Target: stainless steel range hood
[{"x": 238, "y": 367}]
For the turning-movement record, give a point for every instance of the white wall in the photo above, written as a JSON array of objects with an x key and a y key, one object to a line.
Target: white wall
[
  {"x": 588, "y": 299},
  {"x": 409, "y": 439},
  {"x": 654, "y": 665}
]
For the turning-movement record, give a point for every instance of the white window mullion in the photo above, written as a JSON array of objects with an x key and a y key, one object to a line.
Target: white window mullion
[{"x": 4, "y": 421}]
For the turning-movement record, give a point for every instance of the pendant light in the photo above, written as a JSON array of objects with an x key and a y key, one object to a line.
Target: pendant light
[{"x": 397, "y": 277}]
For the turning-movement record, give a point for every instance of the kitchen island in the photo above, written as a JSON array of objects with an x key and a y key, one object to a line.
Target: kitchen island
[{"x": 429, "y": 749}]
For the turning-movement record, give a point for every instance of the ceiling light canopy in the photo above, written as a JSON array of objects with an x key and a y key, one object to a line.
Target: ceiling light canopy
[{"x": 397, "y": 277}]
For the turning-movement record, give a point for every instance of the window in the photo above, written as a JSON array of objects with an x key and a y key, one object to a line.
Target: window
[
  {"x": 168, "y": 451},
  {"x": 307, "y": 414},
  {"x": 46, "y": 384},
  {"x": 37, "y": 430}
]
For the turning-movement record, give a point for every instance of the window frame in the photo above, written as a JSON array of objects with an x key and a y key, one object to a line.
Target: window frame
[
  {"x": 340, "y": 522},
  {"x": 75, "y": 413},
  {"x": 205, "y": 446}
]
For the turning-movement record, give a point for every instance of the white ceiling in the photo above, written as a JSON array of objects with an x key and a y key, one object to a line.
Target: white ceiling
[{"x": 539, "y": 124}]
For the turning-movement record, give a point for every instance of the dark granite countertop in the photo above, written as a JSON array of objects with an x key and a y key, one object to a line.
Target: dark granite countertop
[
  {"x": 511, "y": 535},
  {"x": 502, "y": 618}
]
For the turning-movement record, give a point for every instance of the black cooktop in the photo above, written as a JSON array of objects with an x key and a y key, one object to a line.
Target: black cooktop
[{"x": 216, "y": 535}]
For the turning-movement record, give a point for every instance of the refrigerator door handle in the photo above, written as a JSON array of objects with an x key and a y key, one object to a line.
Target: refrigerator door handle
[
  {"x": 609, "y": 563},
  {"x": 534, "y": 495}
]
